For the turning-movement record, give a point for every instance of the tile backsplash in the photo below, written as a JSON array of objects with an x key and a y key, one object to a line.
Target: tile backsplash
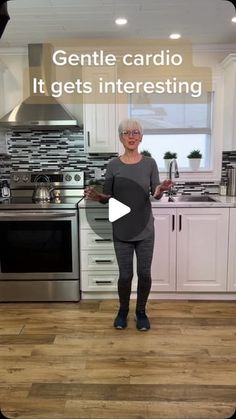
[
  {"x": 60, "y": 150},
  {"x": 64, "y": 150},
  {"x": 228, "y": 160}
]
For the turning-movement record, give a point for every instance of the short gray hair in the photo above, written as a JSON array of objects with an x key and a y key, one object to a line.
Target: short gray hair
[{"x": 129, "y": 124}]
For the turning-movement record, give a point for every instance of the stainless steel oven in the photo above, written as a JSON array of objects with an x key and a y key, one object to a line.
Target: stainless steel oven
[{"x": 39, "y": 249}]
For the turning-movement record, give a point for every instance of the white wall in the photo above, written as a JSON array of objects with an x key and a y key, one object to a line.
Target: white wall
[{"x": 13, "y": 64}]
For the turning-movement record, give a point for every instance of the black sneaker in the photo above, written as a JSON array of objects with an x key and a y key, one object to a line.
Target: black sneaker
[
  {"x": 120, "y": 321},
  {"x": 142, "y": 321}
]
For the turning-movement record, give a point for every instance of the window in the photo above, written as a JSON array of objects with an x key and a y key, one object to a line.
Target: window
[{"x": 179, "y": 127}]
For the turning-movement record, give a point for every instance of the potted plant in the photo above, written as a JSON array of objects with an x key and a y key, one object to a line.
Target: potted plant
[
  {"x": 195, "y": 159},
  {"x": 168, "y": 156},
  {"x": 146, "y": 153}
]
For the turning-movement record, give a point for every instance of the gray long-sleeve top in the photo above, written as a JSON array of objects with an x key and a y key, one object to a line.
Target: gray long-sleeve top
[{"x": 132, "y": 184}]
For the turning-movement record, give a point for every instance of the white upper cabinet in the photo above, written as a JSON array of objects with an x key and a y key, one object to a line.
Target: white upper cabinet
[
  {"x": 100, "y": 128},
  {"x": 100, "y": 119},
  {"x": 229, "y": 105}
]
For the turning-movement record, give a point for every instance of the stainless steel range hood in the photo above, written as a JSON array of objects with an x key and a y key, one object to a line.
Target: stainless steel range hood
[{"x": 39, "y": 110}]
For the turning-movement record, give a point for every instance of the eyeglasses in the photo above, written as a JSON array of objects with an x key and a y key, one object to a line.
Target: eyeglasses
[{"x": 134, "y": 133}]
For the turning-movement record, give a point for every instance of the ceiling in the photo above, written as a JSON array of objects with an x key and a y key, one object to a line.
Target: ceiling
[{"x": 200, "y": 21}]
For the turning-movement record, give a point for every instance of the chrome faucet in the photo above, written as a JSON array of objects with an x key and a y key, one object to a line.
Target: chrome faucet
[{"x": 176, "y": 174}]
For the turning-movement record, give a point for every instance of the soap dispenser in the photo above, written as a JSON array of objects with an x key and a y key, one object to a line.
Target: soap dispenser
[
  {"x": 223, "y": 188},
  {"x": 5, "y": 191}
]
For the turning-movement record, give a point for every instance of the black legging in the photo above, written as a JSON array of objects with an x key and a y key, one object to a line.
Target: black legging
[{"x": 124, "y": 254}]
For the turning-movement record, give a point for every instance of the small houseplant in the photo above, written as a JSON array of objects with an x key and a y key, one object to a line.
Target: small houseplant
[
  {"x": 195, "y": 159},
  {"x": 168, "y": 156},
  {"x": 146, "y": 153}
]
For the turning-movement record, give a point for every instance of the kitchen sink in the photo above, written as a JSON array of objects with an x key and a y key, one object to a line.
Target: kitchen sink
[{"x": 194, "y": 198}]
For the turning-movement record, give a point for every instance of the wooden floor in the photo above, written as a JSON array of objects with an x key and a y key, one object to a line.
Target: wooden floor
[{"x": 66, "y": 361}]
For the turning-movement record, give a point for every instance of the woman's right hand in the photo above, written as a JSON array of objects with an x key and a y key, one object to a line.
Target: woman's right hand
[{"x": 91, "y": 193}]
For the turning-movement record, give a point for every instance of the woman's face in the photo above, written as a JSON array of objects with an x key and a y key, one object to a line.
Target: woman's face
[{"x": 131, "y": 137}]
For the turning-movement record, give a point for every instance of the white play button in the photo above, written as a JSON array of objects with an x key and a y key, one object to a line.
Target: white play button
[{"x": 116, "y": 209}]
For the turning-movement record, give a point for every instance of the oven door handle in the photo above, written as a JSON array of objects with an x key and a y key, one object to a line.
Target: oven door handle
[{"x": 35, "y": 214}]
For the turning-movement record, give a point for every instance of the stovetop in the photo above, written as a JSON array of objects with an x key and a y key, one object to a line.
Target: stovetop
[
  {"x": 64, "y": 202},
  {"x": 68, "y": 187}
]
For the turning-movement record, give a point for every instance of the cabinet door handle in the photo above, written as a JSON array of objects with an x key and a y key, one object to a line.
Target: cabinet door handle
[
  {"x": 88, "y": 136},
  {"x": 101, "y": 219},
  {"x": 103, "y": 240},
  {"x": 180, "y": 222},
  {"x": 103, "y": 282},
  {"x": 103, "y": 261},
  {"x": 173, "y": 222}
]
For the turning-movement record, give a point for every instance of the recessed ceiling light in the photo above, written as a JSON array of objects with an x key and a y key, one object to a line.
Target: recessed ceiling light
[
  {"x": 234, "y": 19},
  {"x": 121, "y": 21},
  {"x": 175, "y": 36}
]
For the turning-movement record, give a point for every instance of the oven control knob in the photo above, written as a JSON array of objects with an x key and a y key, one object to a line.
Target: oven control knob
[
  {"x": 16, "y": 178},
  {"x": 77, "y": 178},
  {"x": 25, "y": 178},
  {"x": 68, "y": 178}
]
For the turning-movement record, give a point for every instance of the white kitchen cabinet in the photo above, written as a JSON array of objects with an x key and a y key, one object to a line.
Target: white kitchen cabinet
[
  {"x": 99, "y": 281},
  {"x": 164, "y": 254},
  {"x": 190, "y": 249},
  {"x": 231, "y": 253},
  {"x": 202, "y": 246},
  {"x": 98, "y": 264},
  {"x": 100, "y": 119},
  {"x": 98, "y": 260},
  {"x": 92, "y": 241},
  {"x": 95, "y": 219}
]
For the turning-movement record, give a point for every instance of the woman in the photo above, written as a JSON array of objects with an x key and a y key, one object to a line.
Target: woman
[{"x": 130, "y": 178}]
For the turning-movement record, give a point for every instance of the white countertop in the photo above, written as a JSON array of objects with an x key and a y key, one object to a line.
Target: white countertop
[{"x": 220, "y": 201}]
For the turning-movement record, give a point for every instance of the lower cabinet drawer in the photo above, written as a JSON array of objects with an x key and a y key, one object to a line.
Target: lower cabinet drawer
[
  {"x": 105, "y": 260},
  {"x": 97, "y": 218},
  {"x": 89, "y": 240},
  {"x": 95, "y": 281}
]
